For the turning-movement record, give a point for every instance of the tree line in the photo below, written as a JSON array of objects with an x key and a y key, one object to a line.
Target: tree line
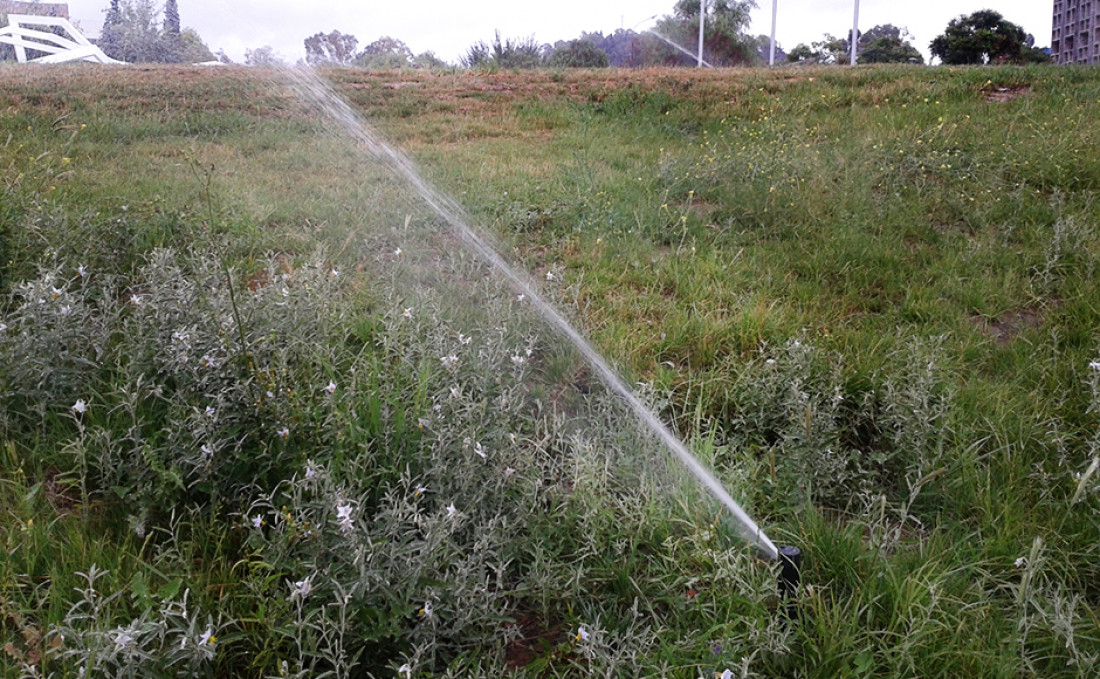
[
  {"x": 983, "y": 37},
  {"x": 134, "y": 31}
]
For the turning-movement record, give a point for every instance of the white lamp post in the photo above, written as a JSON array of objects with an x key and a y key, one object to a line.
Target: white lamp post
[
  {"x": 775, "y": 10},
  {"x": 702, "y": 22},
  {"x": 855, "y": 33}
]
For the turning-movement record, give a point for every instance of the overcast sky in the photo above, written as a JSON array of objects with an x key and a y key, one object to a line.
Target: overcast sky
[{"x": 449, "y": 27}]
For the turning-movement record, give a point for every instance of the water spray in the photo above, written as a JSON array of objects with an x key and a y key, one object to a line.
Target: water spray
[
  {"x": 316, "y": 90},
  {"x": 702, "y": 61}
]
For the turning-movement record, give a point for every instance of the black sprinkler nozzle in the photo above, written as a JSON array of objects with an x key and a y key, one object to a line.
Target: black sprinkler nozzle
[{"x": 790, "y": 572}]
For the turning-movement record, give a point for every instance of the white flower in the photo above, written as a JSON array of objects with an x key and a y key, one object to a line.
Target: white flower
[
  {"x": 1021, "y": 562},
  {"x": 135, "y": 299},
  {"x": 455, "y": 392},
  {"x": 1095, "y": 365},
  {"x": 479, "y": 450},
  {"x": 518, "y": 360},
  {"x": 301, "y": 590},
  {"x": 508, "y": 472},
  {"x": 726, "y": 674},
  {"x": 310, "y": 472},
  {"x": 463, "y": 339},
  {"x": 56, "y": 292},
  {"x": 283, "y": 433},
  {"x": 66, "y": 310},
  {"x": 122, "y": 638},
  {"x": 331, "y": 387},
  {"x": 449, "y": 361},
  {"x": 549, "y": 275},
  {"x": 257, "y": 521},
  {"x": 426, "y": 612},
  {"x": 420, "y": 490},
  {"x": 408, "y": 313},
  {"x": 210, "y": 411},
  {"x": 207, "y": 637},
  {"x": 343, "y": 517},
  {"x": 405, "y": 669},
  {"x": 270, "y": 394},
  {"x": 770, "y": 361},
  {"x": 397, "y": 252},
  {"x": 521, "y": 297},
  {"x": 451, "y": 511},
  {"x": 3, "y": 327},
  {"x": 209, "y": 361},
  {"x": 512, "y": 438},
  {"x": 207, "y": 449},
  {"x": 422, "y": 422},
  {"x": 81, "y": 271},
  {"x": 80, "y": 406},
  {"x": 335, "y": 273},
  {"x": 582, "y": 634}
]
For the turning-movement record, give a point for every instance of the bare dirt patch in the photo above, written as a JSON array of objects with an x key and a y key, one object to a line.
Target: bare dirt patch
[
  {"x": 1006, "y": 327},
  {"x": 1002, "y": 95}
]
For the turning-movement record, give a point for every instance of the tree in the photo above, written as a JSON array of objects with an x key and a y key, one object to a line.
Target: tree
[
  {"x": 889, "y": 50},
  {"x": 828, "y": 50},
  {"x": 887, "y": 43},
  {"x": 428, "y": 60},
  {"x": 265, "y": 56},
  {"x": 134, "y": 37},
  {"x": 131, "y": 33},
  {"x": 725, "y": 42},
  {"x": 623, "y": 47},
  {"x": 508, "y": 53},
  {"x": 578, "y": 54},
  {"x": 333, "y": 49},
  {"x": 980, "y": 38},
  {"x": 109, "y": 35},
  {"x": 171, "y": 18},
  {"x": 385, "y": 52}
]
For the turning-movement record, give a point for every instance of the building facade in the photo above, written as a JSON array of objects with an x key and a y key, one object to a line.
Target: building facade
[{"x": 1075, "y": 38}]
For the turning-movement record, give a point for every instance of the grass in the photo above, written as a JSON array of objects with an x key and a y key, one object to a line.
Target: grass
[{"x": 318, "y": 431}]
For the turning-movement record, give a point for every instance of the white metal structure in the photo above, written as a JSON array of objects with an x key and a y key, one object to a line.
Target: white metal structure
[{"x": 73, "y": 46}]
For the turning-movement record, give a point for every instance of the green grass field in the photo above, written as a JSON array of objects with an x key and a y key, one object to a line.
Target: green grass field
[{"x": 261, "y": 415}]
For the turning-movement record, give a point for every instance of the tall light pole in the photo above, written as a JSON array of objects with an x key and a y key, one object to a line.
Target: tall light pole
[
  {"x": 775, "y": 10},
  {"x": 702, "y": 22},
  {"x": 855, "y": 33}
]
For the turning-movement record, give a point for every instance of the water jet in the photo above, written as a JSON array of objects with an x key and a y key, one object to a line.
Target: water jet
[{"x": 312, "y": 88}]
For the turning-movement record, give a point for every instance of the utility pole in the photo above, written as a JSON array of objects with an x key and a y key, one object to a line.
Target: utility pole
[
  {"x": 775, "y": 10},
  {"x": 702, "y": 21},
  {"x": 855, "y": 33}
]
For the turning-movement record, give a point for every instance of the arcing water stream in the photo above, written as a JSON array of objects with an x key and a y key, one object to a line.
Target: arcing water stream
[{"x": 318, "y": 92}]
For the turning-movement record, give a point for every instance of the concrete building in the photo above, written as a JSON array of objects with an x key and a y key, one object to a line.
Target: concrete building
[{"x": 1075, "y": 38}]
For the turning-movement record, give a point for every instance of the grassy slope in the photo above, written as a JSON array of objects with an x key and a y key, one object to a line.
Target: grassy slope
[{"x": 934, "y": 245}]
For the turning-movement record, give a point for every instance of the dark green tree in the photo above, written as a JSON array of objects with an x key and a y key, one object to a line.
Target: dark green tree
[
  {"x": 887, "y": 43},
  {"x": 889, "y": 51},
  {"x": 983, "y": 37},
  {"x": 578, "y": 54}
]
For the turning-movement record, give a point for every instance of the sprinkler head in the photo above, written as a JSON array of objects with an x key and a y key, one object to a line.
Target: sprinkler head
[
  {"x": 790, "y": 572},
  {"x": 790, "y": 567}
]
